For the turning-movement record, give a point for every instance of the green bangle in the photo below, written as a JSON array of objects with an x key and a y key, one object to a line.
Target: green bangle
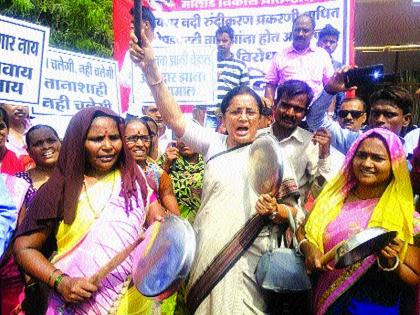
[
  {"x": 58, "y": 280},
  {"x": 51, "y": 275}
]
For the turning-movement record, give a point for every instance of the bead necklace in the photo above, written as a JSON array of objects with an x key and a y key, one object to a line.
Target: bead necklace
[{"x": 98, "y": 213}]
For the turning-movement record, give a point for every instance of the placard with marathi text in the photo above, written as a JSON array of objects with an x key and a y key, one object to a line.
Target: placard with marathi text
[
  {"x": 73, "y": 81},
  {"x": 22, "y": 53}
]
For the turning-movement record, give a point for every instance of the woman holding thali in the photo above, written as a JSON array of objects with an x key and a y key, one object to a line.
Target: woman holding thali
[
  {"x": 372, "y": 190},
  {"x": 90, "y": 209},
  {"x": 228, "y": 201}
]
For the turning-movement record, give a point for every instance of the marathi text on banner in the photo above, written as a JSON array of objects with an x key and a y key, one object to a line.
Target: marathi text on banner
[
  {"x": 73, "y": 81},
  {"x": 22, "y": 47}
]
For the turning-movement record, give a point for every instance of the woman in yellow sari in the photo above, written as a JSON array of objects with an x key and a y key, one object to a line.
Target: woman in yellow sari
[
  {"x": 373, "y": 189},
  {"x": 91, "y": 208}
]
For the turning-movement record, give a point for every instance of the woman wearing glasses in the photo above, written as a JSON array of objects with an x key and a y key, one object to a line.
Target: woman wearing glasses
[
  {"x": 139, "y": 137},
  {"x": 228, "y": 202}
]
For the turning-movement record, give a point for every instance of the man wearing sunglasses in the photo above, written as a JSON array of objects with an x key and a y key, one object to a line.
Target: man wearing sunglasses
[
  {"x": 390, "y": 108},
  {"x": 352, "y": 114}
]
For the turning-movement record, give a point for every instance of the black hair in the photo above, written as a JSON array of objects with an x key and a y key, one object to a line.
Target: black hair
[
  {"x": 309, "y": 16},
  {"x": 292, "y": 88},
  {"x": 226, "y": 29},
  {"x": 329, "y": 30},
  {"x": 145, "y": 121},
  {"x": 395, "y": 94},
  {"x": 36, "y": 127},
  {"x": 240, "y": 90},
  {"x": 4, "y": 116},
  {"x": 355, "y": 98},
  {"x": 146, "y": 15},
  {"x": 267, "y": 111}
]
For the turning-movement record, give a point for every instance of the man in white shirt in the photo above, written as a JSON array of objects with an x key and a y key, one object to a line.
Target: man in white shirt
[{"x": 309, "y": 154}]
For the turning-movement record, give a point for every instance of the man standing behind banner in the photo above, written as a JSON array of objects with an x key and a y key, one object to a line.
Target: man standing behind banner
[
  {"x": 231, "y": 72},
  {"x": 300, "y": 61},
  {"x": 127, "y": 70}
]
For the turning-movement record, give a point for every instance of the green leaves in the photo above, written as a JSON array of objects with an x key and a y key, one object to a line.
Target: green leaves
[{"x": 80, "y": 25}]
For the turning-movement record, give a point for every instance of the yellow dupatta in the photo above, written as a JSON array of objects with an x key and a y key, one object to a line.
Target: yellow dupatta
[{"x": 395, "y": 208}]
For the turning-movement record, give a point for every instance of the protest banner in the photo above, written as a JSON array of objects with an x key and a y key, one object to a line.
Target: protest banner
[
  {"x": 71, "y": 82},
  {"x": 187, "y": 72},
  {"x": 262, "y": 27},
  {"x": 22, "y": 47}
]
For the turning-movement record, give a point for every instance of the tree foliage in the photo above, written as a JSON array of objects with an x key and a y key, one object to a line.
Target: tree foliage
[{"x": 78, "y": 25}]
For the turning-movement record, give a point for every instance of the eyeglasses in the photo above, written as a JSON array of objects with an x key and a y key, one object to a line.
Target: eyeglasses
[
  {"x": 3, "y": 126},
  {"x": 249, "y": 113},
  {"x": 354, "y": 113},
  {"x": 135, "y": 138}
]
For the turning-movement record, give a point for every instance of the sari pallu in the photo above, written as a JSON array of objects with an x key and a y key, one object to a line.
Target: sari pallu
[
  {"x": 394, "y": 210},
  {"x": 89, "y": 243},
  {"x": 227, "y": 205},
  {"x": 361, "y": 288},
  {"x": 342, "y": 289}
]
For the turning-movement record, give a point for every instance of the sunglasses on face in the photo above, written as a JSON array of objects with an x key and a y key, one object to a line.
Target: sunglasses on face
[{"x": 354, "y": 113}]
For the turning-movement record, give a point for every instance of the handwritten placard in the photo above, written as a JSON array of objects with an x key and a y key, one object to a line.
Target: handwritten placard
[
  {"x": 73, "y": 81},
  {"x": 189, "y": 72},
  {"x": 22, "y": 48}
]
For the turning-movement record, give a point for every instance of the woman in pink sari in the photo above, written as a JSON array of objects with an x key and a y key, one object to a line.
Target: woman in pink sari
[
  {"x": 91, "y": 208},
  {"x": 372, "y": 189}
]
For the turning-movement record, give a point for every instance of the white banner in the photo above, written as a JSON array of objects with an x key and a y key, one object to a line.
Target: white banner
[
  {"x": 73, "y": 81},
  {"x": 22, "y": 48},
  {"x": 188, "y": 73},
  {"x": 262, "y": 27}
]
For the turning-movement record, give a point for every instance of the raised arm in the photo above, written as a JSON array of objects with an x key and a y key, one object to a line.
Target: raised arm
[
  {"x": 144, "y": 57},
  {"x": 317, "y": 116}
]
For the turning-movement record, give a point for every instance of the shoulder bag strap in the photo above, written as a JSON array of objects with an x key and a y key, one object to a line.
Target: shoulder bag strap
[
  {"x": 224, "y": 261},
  {"x": 292, "y": 224}
]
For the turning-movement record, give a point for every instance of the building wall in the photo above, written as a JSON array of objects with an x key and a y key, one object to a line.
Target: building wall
[{"x": 387, "y": 22}]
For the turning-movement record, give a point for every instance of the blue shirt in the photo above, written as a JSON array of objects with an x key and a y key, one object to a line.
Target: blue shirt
[{"x": 317, "y": 117}]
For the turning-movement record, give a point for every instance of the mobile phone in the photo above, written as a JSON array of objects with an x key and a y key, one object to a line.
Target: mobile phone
[
  {"x": 364, "y": 76},
  {"x": 138, "y": 19}
]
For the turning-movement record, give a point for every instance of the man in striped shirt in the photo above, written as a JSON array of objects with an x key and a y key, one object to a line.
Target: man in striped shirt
[{"x": 231, "y": 72}]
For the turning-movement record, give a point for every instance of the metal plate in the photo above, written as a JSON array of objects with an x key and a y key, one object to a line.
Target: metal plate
[
  {"x": 165, "y": 257},
  {"x": 265, "y": 167},
  {"x": 361, "y": 245}
]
